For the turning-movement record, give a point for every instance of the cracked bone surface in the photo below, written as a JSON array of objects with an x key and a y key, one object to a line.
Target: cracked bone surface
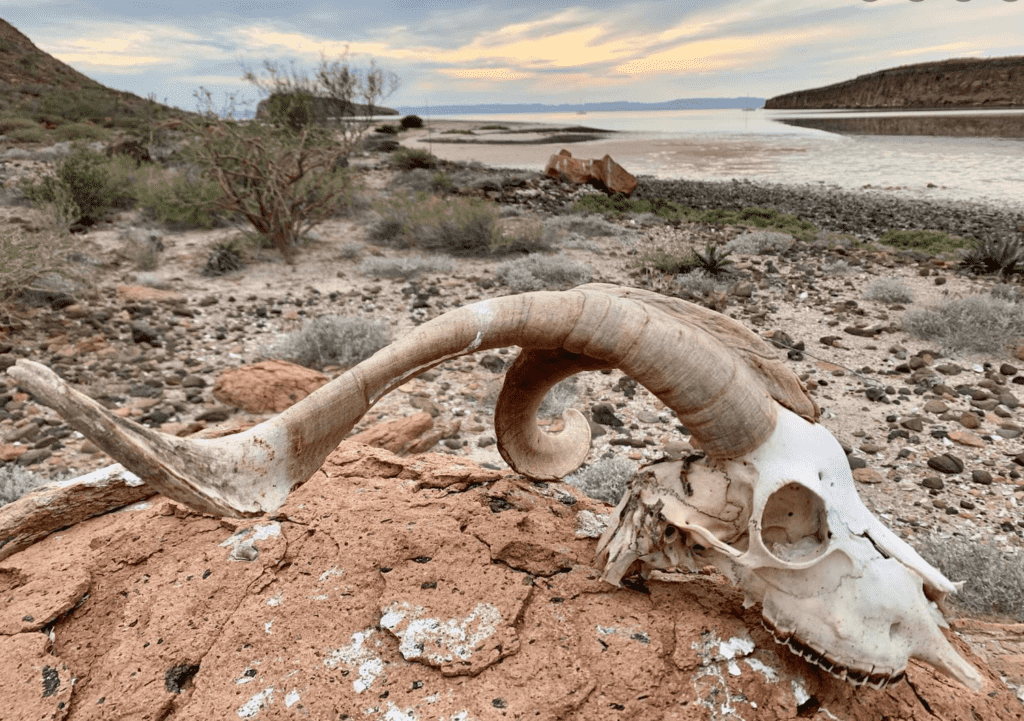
[{"x": 772, "y": 502}]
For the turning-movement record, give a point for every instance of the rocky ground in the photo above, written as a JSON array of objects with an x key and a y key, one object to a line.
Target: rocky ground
[{"x": 934, "y": 437}]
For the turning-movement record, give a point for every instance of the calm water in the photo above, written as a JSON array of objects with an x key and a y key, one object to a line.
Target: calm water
[{"x": 760, "y": 145}]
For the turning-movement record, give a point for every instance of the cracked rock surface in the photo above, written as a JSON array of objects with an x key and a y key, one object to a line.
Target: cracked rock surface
[{"x": 392, "y": 587}]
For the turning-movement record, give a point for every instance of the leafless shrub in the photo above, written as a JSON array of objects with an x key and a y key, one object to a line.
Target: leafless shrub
[
  {"x": 889, "y": 290},
  {"x": 537, "y": 272},
  {"x": 405, "y": 267},
  {"x": 331, "y": 340},
  {"x": 980, "y": 323},
  {"x": 994, "y": 578},
  {"x": 606, "y": 480}
]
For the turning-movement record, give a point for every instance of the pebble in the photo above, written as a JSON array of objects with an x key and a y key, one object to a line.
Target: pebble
[
  {"x": 935, "y": 406},
  {"x": 982, "y": 477},
  {"x": 970, "y": 420},
  {"x": 604, "y": 414},
  {"x": 946, "y": 463}
]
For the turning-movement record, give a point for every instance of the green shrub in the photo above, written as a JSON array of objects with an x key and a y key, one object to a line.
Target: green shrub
[
  {"x": 889, "y": 290},
  {"x": 406, "y": 268},
  {"x": 932, "y": 242},
  {"x": 606, "y": 480},
  {"x": 994, "y": 578},
  {"x": 180, "y": 201},
  {"x": 980, "y": 323},
  {"x": 16, "y": 122},
  {"x": 225, "y": 257},
  {"x": 535, "y": 272},
  {"x": 454, "y": 226},
  {"x": 386, "y": 129},
  {"x": 331, "y": 340},
  {"x": 618, "y": 205},
  {"x": 80, "y": 131},
  {"x": 664, "y": 262},
  {"x": 412, "y": 121},
  {"x": 409, "y": 158},
  {"x": 90, "y": 179},
  {"x": 28, "y": 135}
]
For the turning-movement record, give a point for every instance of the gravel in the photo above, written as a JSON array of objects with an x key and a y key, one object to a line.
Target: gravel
[{"x": 865, "y": 214}]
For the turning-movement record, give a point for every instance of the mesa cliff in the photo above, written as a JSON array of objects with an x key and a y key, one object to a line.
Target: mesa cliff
[{"x": 958, "y": 83}]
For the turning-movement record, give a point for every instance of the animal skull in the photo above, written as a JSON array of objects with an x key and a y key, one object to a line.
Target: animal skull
[
  {"x": 773, "y": 503},
  {"x": 785, "y": 524}
]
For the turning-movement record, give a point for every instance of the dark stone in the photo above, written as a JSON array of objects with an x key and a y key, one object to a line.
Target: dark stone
[
  {"x": 914, "y": 424},
  {"x": 982, "y": 477},
  {"x": 1007, "y": 370},
  {"x": 33, "y": 456},
  {"x": 141, "y": 390},
  {"x": 193, "y": 381},
  {"x": 493, "y": 363},
  {"x": 946, "y": 463},
  {"x": 215, "y": 415},
  {"x": 142, "y": 333},
  {"x": 933, "y": 482},
  {"x": 949, "y": 369},
  {"x": 875, "y": 393},
  {"x": 604, "y": 414},
  {"x": 856, "y": 462},
  {"x": 177, "y": 677}
]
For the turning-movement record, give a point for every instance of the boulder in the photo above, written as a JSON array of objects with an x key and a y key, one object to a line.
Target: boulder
[
  {"x": 604, "y": 174},
  {"x": 414, "y": 434},
  {"x": 266, "y": 387},
  {"x": 378, "y": 591}
]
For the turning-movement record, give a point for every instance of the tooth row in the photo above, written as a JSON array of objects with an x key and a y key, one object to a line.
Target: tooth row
[{"x": 857, "y": 677}]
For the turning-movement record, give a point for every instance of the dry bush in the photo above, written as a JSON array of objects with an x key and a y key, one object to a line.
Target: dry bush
[
  {"x": 406, "y": 268},
  {"x": 606, "y": 480},
  {"x": 994, "y": 578},
  {"x": 889, "y": 290},
  {"x": 331, "y": 340},
  {"x": 980, "y": 323}
]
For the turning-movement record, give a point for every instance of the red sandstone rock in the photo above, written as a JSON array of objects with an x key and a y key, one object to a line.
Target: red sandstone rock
[
  {"x": 377, "y": 591},
  {"x": 266, "y": 387},
  {"x": 604, "y": 174}
]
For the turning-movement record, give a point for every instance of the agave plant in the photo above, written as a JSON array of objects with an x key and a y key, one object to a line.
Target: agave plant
[
  {"x": 713, "y": 260},
  {"x": 1002, "y": 255}
]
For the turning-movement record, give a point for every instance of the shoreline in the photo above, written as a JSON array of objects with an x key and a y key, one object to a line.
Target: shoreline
[{"x": 865, "y": 213}]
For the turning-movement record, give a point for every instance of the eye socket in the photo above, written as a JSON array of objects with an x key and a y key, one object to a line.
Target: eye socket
[{"x": 794, "y": 524}]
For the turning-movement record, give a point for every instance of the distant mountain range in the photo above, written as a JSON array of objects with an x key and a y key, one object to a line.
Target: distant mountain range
[{"x": 617, "y": 105}]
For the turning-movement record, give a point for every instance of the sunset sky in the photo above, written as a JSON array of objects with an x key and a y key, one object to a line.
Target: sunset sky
[{"x": 527, "y": 51}]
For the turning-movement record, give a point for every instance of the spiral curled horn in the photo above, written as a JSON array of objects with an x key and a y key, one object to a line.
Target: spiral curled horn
[{"x": 717, "y": 376}]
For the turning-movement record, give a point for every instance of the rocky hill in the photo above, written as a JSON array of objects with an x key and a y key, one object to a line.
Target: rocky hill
[
  {"x": 37, "y": 85},
  {"x": 959, "y": 83}
]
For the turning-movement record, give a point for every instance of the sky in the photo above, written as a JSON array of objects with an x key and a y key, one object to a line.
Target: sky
[{"x": 527, "y": 51}]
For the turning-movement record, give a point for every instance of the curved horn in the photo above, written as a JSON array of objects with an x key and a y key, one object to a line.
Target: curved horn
[{"x": 723, "y": 400}]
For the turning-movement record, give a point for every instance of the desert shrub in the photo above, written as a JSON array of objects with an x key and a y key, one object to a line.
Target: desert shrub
[
  {"x": 90, "y": 179},
  {"x": 606, "y": 480},
  {"x": 701, "y": 282},
  {"x": 412, "y": 121},
  {"x": 889, "y": 290},
  {"x": 331, "y": 340},
  {"x": 9, "y": 123},
  {"x": 406, "y": 268},
  {"x": 994, "y": 255},
  {"x": 34, "y": 134},
  {"x": 454, "y": 226},
  {"x": 618, "y": 205},
  {"x": 80, "y": 131},
  {"x": 836, "y": 267},
  {"x": 386, "y": 129},
  {"x": 225, "y": 257},
  {"x": 350, "y": 251},
  {"x": 15, "y": 482},
  {"x": 421, "y": 180},
  {"x": 585, "y": 225},
  {"x": 980, "y": 323},
  {"x": 28, "y": 257},
  {"x": 143, "y": 246},
  {"x": 559, "y": 399},
  {"x": 409, "y": 158},
  {"x": 537, "y": 273},
  {"x": 664, "y": 262},
  {"x": 178, "y": 200},
  {"x": 932, "y": 242},
  {"x": 995, "y": 578},
  {"x": 760, "y": 242},
  {"x": 1010, "y": 293}
]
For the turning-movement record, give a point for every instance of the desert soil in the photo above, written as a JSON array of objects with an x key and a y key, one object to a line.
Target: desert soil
[{"x": 204, "y": 326}]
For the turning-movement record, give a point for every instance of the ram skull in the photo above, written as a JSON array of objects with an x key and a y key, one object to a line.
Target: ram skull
[{"x": 770, "y": 501}]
